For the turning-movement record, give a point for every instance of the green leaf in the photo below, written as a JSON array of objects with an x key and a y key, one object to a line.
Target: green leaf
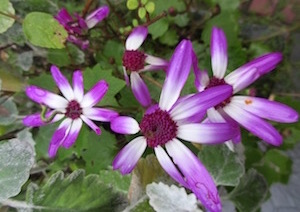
[
  {"x": 59, "y": 57},
  {"x": 16, "y": 160},
  {"x": 10, "y": 82},
  {"x": 14, "y": 34},
  {"x": 170, "y": 38},
  {"x": 275, "y": 166},
  {"x": 250, "y": 192},
  {"x": 43, "y": 139},
  {"x": 142, "y": 206},
  {"x": 225, "y": 166},
  {"x": 5, "y": 21},
  {"x": 181, "y": 20},
  {"x": 142, "y": 12},
  {"x": 228, "y": 5},
  {"x": 119, "y": 182},
  {"x": 132, "y": 4},
  {"x": 43, "y": 30},
  {"x": 92, "y": 76},
  {"x": 8, "y": 111},
  {"x": 44, "y": 81},
  {"x": 158, "y": 28},
  {"x": 76, "y": 192},
  {"x": 150, "y": 7}
]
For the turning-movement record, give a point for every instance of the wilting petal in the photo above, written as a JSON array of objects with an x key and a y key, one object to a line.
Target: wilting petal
[
  {"x": 95, "y": 17},
  {"x": 99, "y": 114},
  {"x": 139, "y": 89},
  {"x": 91, "y": 124},
  {"x": 218, "y": 51},
  {"x": 177, "y": 73},
  {"x": 207, "y": 133},
  {"x": 198, "y": 103},
  {"x": 124, "y": 125},
  {"x": 63, "y": 17},
  {"x": 156, "y": 61},
  {"x": 136, "y": 38},
  {"x": 127, "y": 158},
  {"x": 62, "y": 83},
  {"x": 267, "y": 109},
  {"x": 254, "y": 124},
  {"x": 34, "y": 120},
  {"x": 169, "y": 166},
  {"x": 78, "y": 85},
  {"x": 73, "y": 133},
  {"x": 94, "y": 95},
  {"x": 45, "y": 97},
  {"x": 197, "y": 177}
]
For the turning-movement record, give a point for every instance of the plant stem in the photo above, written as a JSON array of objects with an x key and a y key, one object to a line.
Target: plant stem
[{"x": 11, "y": 16}]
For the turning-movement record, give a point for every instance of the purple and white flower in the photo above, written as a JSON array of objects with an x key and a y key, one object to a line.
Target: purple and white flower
[
  {"x": 134, "y": 62},
  {"x": 74, "y": 106},
  {"x": 248, "y": 111},
  {"x": 164, "y": 124},
  {"x": 77, "y": 27}
]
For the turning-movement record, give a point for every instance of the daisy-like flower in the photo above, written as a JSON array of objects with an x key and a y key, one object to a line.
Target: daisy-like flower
[
  {"x": 134, "y": 61},
  {"x": 74, "y": 106},
  {"x": 164, "y": 124},
  {"x": 247, "y": 111},
  {"x": 77, "y": 27}
]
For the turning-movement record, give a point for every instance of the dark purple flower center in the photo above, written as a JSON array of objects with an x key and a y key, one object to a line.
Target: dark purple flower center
[
  {"x": 73, "y": 110},
  {"x": 215, "y": 82},
  {"x": 134, "y": 60},
  {"x": 158, "y": 128}
]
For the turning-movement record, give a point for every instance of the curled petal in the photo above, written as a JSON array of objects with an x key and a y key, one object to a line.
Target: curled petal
[
  {"x": 177, "y": 73},
  {"x": 96, "y": 16},
  {"x": 34, "y": 120},
  {"x": 124, "y": 125},
  {"x": 136, "y": 38},
  {"x": 127, "y": 158},
  {"x": 94, "y": 95},
  {"x": 196, "y": 175},
  {"x": 99, "y": 114},
  {"x": 91, "y": 124},
  {"x": 73, "y": 133},
  {"x": 78, "y": 85},
  {"x": 218, "y": 50},
  {"x": 139, "y": 89},
  {"x": 45, "y": 97}
]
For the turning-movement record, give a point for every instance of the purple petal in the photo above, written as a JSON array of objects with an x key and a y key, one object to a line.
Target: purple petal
[
  {"x": 100, "y": 114},
  {"x": 78, "y": 85},
  {"x": 136, "y": 38},
  {"x": 218, "y": 51},
  {"x": 126, "y": 76},
  {"x": 94, "y": 95},
  {"x": 97, "y": 16},
  {"x": 156, "y": 61},
  {"x": 34, "y": 120},
  {"x": 197, "y": 176},
  {"x": 169, "y": 166},
  {"x": 128, "y": 157},
  {"x": 45, "y": 97},
  {"x": 201, "y": 77},
  {"x": 124, "y": 125},
  {"x": 83, "y": 44},
  {"x": 267, "y": 109},
  {"x": 207, "y": 133},
  {"x": 62, "y": 83},
  {"x": 200, "y": 102},
  {"x": 91, "y": 124},
  {"x": 63, "y": 17},
  {"x": 177, "y": 73},
  {"x": 139, "y": 89},
  {"x": 254, "y": 124},
  {"x": 73, "y": 133}
]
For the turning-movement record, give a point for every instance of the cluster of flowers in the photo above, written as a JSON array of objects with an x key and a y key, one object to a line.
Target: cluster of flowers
[{"x": 211, "y": 116}]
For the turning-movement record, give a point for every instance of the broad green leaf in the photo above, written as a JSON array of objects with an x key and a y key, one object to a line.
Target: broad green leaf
[
  {"x": 170, "y": 198},
  {"x": 113, "y": 49},
  {"x": 228, "y": 5},
  {"x": 14, "y": 34},
  {"x": 10, "y": 82},
  {"x": 43, "y": 139},
  {"x": 161, "y": 5},
  {"x": 16, "y": 160},
  {"x": 158, "y": 28},
  {"x": 25, "y": 60},
  {"x": 43, "y": 30},
  {"x": 141, "y": 206},
  {"x": 225, "y": 166},
  {"x": 181, "y": 20},
  {"x": 76, "y": 192},
  {"x": 150, "y": 7},
  {"x": 8, "y": 111},
  {"x": 118, "y": 181},
  {"x": 5, "y": 21},
  {"x": 250, "y": 193},
  {"x": 132, "y": 4},
  {"x": 59, "y": 57},
  {"x": 142, "y": 12},
  {"x": 44, "y": 81},
  {"x": 92, "y": 76},
  {"x": 170, "y": 38}
]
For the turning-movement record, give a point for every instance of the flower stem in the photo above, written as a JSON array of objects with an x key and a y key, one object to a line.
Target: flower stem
[{"x": 51, "y": 117}]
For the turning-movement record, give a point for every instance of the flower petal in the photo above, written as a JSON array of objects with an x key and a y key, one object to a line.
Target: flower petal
[
  {"x": 207, "y": 133},
  {"x": 157, "y": 61},
  {"x": 78, "y": 85},
  {"x": 99, "y": 114},
  {"x": 254, "y": 124},
  {"x": 197, "y": 176},
  {"x": 73, "y": 133},
  {"x": 63, "y": 17},
  {"x": 91, "y": 124},
  {"x": 200, "y": 102},
  {"x": 201, "y": 77},
  {"x": 267, "y": 109},
  {"x": 136, "y": 38},
  {"x": 169, "y": 166},
  {"x": 218, "y": 51},
  {"x": 177, "y": 73},
  {"x": 139, "y": 89},
  {"x": 62, "y": 83},
  {"x": 124, "y": 125},
  {"x": 128, "y": 157},
  {"x": 126, "y": 76},
  {"x": 94, "y": 95},
  {"x": 96, "y": 16},
  {"x": 45, "y": 97},
  {"x": 34, "y": 120}
]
